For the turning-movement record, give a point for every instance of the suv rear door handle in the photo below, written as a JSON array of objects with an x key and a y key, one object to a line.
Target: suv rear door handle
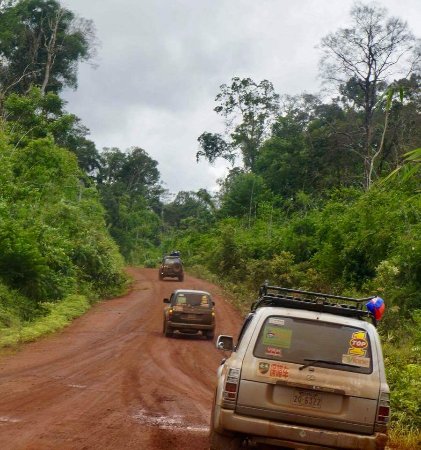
[{"x": 310, "y": 387}]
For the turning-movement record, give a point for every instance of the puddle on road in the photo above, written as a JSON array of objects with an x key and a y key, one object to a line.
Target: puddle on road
[
  {"x": 6, "y": 419},
  {"x": 176, "y": 422}
]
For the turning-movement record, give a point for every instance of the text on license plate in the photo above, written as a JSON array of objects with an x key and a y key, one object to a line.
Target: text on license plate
[{"x": 308, "y": 399}]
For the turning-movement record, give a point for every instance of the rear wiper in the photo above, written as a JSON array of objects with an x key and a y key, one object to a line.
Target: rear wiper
[{"x": 311, "y": 362}]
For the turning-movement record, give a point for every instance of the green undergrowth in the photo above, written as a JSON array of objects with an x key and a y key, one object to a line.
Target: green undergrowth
[
  {"x": 57, "y": 316},
  {"x": 239, "y": 296}
]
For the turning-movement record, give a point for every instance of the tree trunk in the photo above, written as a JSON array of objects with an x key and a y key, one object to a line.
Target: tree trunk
[{"x": 51, "y": 48}]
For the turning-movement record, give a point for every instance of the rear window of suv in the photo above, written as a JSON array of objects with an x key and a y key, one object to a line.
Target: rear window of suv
[
  {"x": 193, "y": 299},
  {"x": 170, "y": 261},
  {"x": 335, "y": 346}
]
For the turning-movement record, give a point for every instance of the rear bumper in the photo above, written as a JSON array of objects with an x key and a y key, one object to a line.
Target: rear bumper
[
  {"x": 191, "y": 326},
  {"x": 293, "y": 436},
  {"x": 171, "y": 274}
]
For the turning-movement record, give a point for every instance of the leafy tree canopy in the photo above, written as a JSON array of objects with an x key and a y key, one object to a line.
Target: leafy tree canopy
[
  {"x": 41, "y": 43},
  {"x": 248, "y": 109}
]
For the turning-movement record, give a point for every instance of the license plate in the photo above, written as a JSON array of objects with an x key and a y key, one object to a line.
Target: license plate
[
  {"x": 190, "y": 316},
  {"x": 307, "y": 399}
]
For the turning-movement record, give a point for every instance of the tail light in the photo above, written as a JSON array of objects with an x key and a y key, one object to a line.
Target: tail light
[
  {"x": 231, "y": 388},
  {"x": 383, "y": 412}
]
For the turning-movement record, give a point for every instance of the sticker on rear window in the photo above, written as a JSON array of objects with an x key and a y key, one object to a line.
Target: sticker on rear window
[
  {"x": 273, "y": 351},
  {"x": 358, "y": 344},
  {"x": 274, "y": 336},
  {"x": 276, "y": 321},
  {"x": 355, "y": 360},
  {"x": 273, "y": 370}
]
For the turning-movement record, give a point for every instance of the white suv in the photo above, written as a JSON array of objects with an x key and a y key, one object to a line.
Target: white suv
[{"x": 307, "y": 372}]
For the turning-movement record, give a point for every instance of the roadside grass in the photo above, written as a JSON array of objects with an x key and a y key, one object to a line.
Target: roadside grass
[
  {"x": 401, "y": 438},
  {"x": 58, "y": 316},
  {"x": 48, "y": 317},
  {"x": 402, "y": 366}
]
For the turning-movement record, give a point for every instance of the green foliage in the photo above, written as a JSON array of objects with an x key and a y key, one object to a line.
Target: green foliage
[
  {"x": 241, "y": 194},
  {"x": 15, "y": 308},
  {"x": 53, "y": 240},
  {"x": 55, "y": 251},
  {"x": 56, "y": 316},
  {"x": 34, "y": 115},
  {"x": 190, "y": 210},
  {"x": 402, "y": 349},
  {"x": 128, "y": 183},
  {"x": 248, "y": 109},
  {"x": 213, "y": 146}
]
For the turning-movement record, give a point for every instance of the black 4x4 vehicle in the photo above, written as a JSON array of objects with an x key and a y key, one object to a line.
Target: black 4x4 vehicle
[
  {"x": 189, "y": 311},
  {"x": 171, "y": 266}
]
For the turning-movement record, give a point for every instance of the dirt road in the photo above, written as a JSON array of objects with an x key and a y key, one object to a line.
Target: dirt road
[{"x": 112, "y": 381}]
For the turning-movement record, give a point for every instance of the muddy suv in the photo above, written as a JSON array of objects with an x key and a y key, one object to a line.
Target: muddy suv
[
  {"x": 306, "y": 372},
  {"x": 190, "y": 312},
  {"x": 172, "y": 267}
]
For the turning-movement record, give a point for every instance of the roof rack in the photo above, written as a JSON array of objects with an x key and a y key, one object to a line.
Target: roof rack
[{"x": 312, "y": 301}]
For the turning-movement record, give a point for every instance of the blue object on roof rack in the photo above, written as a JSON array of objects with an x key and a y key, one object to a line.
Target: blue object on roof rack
[{"x": 376, "y": 307}]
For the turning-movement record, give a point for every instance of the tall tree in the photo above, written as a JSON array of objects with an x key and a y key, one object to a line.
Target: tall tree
[
  {"x": 41, "y": 43},
  {"x": 373, "y": 51},
  {"x": 249, "y": 108},
  {"x": 242, "y": 193},
  {"x": 190, "y": 210},
  {"x": 129, "y": 186}
]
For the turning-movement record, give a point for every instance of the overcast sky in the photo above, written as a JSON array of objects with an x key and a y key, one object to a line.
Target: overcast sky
[{"x": 160, "y": 64}]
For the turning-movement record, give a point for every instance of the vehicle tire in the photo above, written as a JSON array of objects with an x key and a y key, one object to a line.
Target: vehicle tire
[
  {"x": 181, "y": 278},
  {"x": 168, "y": 332},
  {"x": 160, "y": 276},
  {"x": 208, "y": 334},
  {"x": 219, "y": 441}
]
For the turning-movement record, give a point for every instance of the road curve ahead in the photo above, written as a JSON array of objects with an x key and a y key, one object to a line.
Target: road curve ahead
[{"x": 111, "y": 380}]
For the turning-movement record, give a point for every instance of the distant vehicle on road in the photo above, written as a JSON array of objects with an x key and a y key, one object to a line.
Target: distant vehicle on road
[
  {"x": 171, "y": 267},
  {"x": 189, "y": 311},
  {"x": 306, "y": 372}
]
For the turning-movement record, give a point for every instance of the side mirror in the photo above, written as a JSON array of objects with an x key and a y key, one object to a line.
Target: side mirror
[
  {"x": 166, "y": 300},
  {"x": 225, "y": 342}
]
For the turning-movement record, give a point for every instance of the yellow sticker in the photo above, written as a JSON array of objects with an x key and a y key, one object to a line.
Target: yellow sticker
[{"x": 358, "y": 344}]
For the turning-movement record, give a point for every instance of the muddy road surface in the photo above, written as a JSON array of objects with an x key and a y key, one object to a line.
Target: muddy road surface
[{"x": 111, "y": 380}]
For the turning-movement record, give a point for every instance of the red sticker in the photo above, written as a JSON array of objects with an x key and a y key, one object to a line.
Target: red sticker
[
  {"x": 273, "y": 351},
  {"x": 278, "y": 371}
]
